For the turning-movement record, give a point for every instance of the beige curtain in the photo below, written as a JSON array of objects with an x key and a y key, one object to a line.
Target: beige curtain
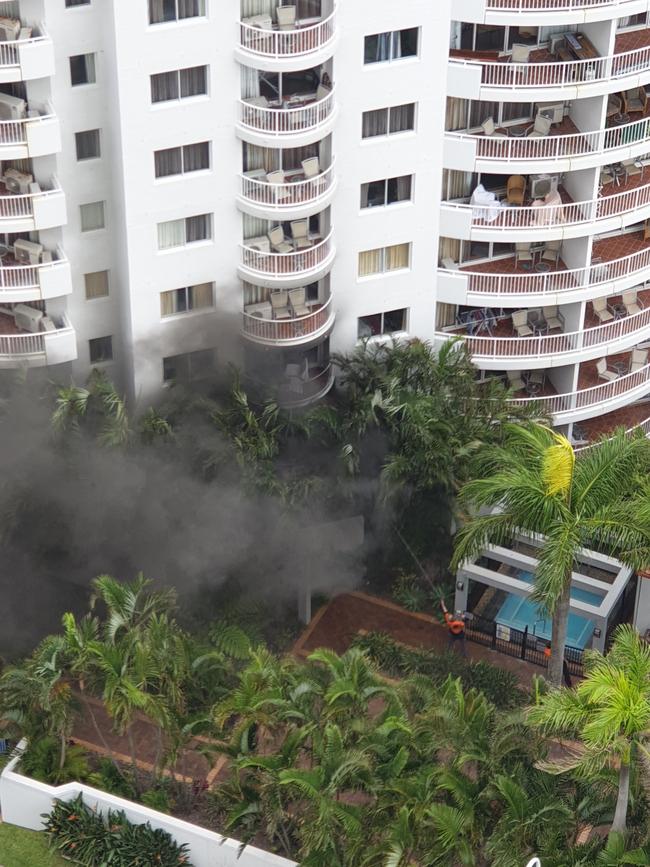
[
  {"x": 254, "y": 294},
  {"x": 256, "y": 157},
  {"x": 369, "y": 262},
  {"x": 445, "y": 315},
  {"x": 398, "y": 256},
  {"x": 168, "y": 303},
  {"x": 449, "y": 248},
  {"x": 456, "y": 114},
  {"x": 201, "y": 295},
  {"x": 456, "y": 185},
  {"x": 96, "y": 284}
]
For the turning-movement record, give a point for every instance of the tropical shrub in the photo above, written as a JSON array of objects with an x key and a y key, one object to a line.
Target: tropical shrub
[
  {"x": 84, "y": 837},
  {"x": 42, "y": 761}
]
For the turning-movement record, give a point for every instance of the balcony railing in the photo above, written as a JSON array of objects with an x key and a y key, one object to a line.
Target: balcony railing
[
  {"x": 495, "y": 218},
  {"x": 289, "y": 194},
  {"x": 556, "y": 344},
  {"x": 286, "y": 121},
  {"x": 312, "y": 389},
  {"x": 27, "y": 346},
  {"x": 21, "y": 206},
  {"x": 287, "y": 264},
  {"x": 287, "y": 43},
  {"x": 554, "y": 282},
  {"x": 554, "y": 5},
  {"x": 641, "y": 426},
  {"x": 581, "y": 144},
  {"x": 287, "y": 330},
  {"x": 10, "y": 51},
  {"x": 14, "y": 277},
  {"x": 558, "y": 74},
  {"x": 591, "y": 397}
]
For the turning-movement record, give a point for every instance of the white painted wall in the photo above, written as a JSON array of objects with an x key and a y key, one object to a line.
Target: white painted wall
[{"x": 23, "y": 801}]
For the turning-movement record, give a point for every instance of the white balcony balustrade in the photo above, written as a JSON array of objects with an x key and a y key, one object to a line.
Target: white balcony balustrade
[
  {"x": 38, "y": 209},
  {"x": 557, "y": 5},
  {"x": 313, "y": 387},
  {"x": 288, "y": 332},
  {"x": 287, "y": 120},
  {"x": 29, "y": 56},
  {"x": 49, "y": 279},
  {"x": 287, "y": 265},
  {"x": 279, "y": 44},
  {"x": 296, "y": 192},
  {"x": 43, "y": 348}
]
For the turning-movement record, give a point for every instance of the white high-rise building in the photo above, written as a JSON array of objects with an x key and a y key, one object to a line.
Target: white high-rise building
[{"x": 191, "y": 182}]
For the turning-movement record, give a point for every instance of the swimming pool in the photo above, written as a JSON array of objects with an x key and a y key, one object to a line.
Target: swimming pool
[{"x": 519, "y": 613}]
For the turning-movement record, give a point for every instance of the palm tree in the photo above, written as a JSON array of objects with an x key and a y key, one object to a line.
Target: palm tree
[
  {"x": 98, "y": 405},
  {"x": 609, "y": 711},
  {"x": 535, "y": 484},
  {"x": 130, "y": 606}
]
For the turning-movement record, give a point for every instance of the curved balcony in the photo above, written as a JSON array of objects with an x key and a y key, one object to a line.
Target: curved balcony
[
  {"x": 312, "y": 43},
  {"x": 268, "y": 125},
  {"x": 26, "y": 58},
  {"x": 632, "y": 418},
  {"x": 488, "y": 288},
  {"x": 289, "y": 332},
  {"x": 310, "y": 390},
  {"x": 28, "y": 212},
  {"x": 540, "y": 11},
  {"x": 297, "y": 197},
  {"x": 558, "y": 151},
  {"x": 555, "y": 350},
  {"x": 34, "y": 282},
  {"x": 566, "y": 219},
  {"x": 30, "y": 137},
  {"x": 497, "y": 80},
  {"x": 287, "y": 269},
  {"x": 42, "y": 349}
]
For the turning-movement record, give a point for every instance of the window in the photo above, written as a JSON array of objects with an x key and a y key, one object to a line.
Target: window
[
  {"x": 178, "y": 233},
  {"x": 378, "y": 193},
  {"x": 188, "y": 298},
  {"x": 179, "y": 84},
  {"x": 188, "y": 367},
  {"x": 383, "y": 259},
  {"x": 96, "y": 285},
  {"x": 70, "y": 3},
  {"x": 101, "y": 349},
  {"x": 92, "y": 216},
  {"x": 382, "y": 323},
  {"x": 388, "y": 121},
  {"x": 181, "y": 160},
  {"x": 175, "y": 10},
  {"x": 382, "y": 47},
  {"x": 88, "y": 145},
  {"x": 82, "y": 69}
]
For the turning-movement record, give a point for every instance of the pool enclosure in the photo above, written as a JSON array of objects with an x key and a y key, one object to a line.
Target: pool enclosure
[{"x": 496, "y": 589}]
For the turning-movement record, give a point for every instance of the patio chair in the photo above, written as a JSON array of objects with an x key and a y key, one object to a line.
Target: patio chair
[
  {"x": 297, "y": 298},
  {"x": 635, "y": 100},
  {"x": 278, "y": 179},
  {"x": 551, "y": 252},
  {"x": 541, "y": 128},
  {"x": 300, "y": 234},
  {"x": 523, "y": 253},
  {"x": 536, "y": 377},
  {"x": 633, "y": 168},
  {"x": 515, "y": 380},
  {"x": 520, "y": 323},
  {"x": 638, "y": 359},
  {"x": 279, "y": 244},
  {"x": 606, "y": 176},
  {"x": 516, "y": 189},
  {"x": 553, "y": 318},
  {"x": 322, "y": 92},
  {"x": 601, "y": 310},
  {"x": 311, "y": 167},
  {"x": 630, "y": 300},
  {"x": 286, "y": 16},
  {"x": 604, "y": 372},
  {"x": 520, "y": 53},
  {"x": 614, "y": 105},
  {"x": 490, "y": 130},
  {"x": 279, "y": 304}
]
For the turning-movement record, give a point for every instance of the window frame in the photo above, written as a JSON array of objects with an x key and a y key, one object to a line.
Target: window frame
[
  {"x": 183, "y": 171},
  {"x": 207, "y": 240},
  {"x": 388, "y": 109},
  {"x": 96, "y": 340},
  {"x": 188, "y": 309},
  {"x": 383, "y": 271},
  {"x": 108, "y": 287},
  {"x": 392, "y": 42},
  {"x": 179, "y": 85},
  {"x": 83, "y": 205},
  {"x": 382, "y": 332},
  {"x": 72, "y": 57},
  {"x": 76, "y": 4},
  {"x": 176, "y": 19},
  {"x": 82, "y": 132},
  {"x": 167, "y": 381},
  {"x": 386, "y": 203}
]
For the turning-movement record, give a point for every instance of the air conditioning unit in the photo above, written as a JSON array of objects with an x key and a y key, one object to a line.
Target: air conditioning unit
[
  {"x": 552, "y": 110},
  {"x": 27, "y": 252},
  {"x": 542, "y": 185},
  {"x": 28, "y": 318},
  {"x": 9, "y": 29},
  {"x": 12, "y": 107},
  {"x": 17, "y": 182}
]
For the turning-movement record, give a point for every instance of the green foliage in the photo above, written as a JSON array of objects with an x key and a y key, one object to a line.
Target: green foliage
[
  {"x": 157, "y": 799},
  {"x": 84, "y": 837},
  {"x": 109, "y": 778},
  {"x": 499, "y": 686},
  {"x": 41, "y": 761},
  {"x": 21, "y": 848}
]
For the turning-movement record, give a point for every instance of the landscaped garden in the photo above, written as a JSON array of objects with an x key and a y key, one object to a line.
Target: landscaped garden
[{"x": 380, "y": 749}]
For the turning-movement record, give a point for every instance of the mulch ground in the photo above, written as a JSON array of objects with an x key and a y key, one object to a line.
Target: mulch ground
[{"x": 339, "y": 621}]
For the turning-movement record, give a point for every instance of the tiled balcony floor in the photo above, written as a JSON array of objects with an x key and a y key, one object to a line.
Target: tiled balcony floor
[
  {"x": 588, "y": 375},
  {"x": 626, "y": 417},
  {"x": 506, "y": 266},
  {"x": 632, "y": 183},
  {"x": 592, "y": 321},
  {"x": 618, "y": 246},
  {"x": 631, "y": 40}
]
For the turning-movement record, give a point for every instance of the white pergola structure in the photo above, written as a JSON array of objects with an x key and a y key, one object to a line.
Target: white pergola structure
[{"x": 609, "y": 586}]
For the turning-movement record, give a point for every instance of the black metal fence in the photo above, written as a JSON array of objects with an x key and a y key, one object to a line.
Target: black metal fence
[{"x": 514, "y": 642}]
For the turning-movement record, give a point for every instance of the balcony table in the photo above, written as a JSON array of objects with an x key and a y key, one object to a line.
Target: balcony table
[
  {"x": 618, "y": 310},
  {"x": 620, "y": 367}
]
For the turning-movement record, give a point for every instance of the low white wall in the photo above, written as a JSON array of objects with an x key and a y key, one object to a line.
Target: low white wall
[{"x": 23, "y": 801}]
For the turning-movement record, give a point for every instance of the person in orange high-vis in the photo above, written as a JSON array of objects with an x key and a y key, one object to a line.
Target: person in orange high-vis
[
  {"x": 456, "y": 629},
  {"x": 565, "y": 668}
]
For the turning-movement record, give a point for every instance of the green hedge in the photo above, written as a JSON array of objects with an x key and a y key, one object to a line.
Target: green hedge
[
  {"x": 84, "y": 837},
  {"x": 499, "y": 686}
]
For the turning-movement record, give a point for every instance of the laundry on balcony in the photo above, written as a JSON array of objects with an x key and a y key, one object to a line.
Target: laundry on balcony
[{"x": 486, "y": 206}]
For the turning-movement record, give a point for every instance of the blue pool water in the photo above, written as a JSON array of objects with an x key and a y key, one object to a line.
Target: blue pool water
[{"x": 518, "y": 613}]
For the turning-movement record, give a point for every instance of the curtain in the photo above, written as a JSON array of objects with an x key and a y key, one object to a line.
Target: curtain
[
  {"x": 397, "y": 257},
  {"x": 194, "y": 81},
  {"x": 164, "y": 86},
  {"x": 455, "y": 34},
  {"x": 377, "y": 48},
  {"x": 96, "y": 284},
  {"x": 171, "y": 234},
  {"x": 456, "y": 114},
  {"x": 445, "y": 315},
  {"x": 375, "y": 123},
  {"x": 364, "y": 195},
  {"x": 449, "y": 248},
  {"x": 89, "y": 61},
  {"x": 168, "y": 303},
  {"x": 168, "y": 162},
  {"x": 92, "y": 216},
  {"x": 254, "y": 227},
  {"x": 162, "y": 10},
  {"x": 256, "y": 157},
  {"x": 250, "y": 82},
  {"x": 399, "y": 189},
  {"x": 293, "y": 157},
  {"x": 201, "y": 295},
  {"x": 257, "y": 7},
  {"x": 254, "y": 294},
  {"x": 370, "y": 262},
  {"x": 196, "y": 157},
  {"x": 402, "y": 117},
  {"x": 456, "y": 185},
  {"x": 191, "y": 8},
  {"x": 87, "y": 144},
  {"x": 198, "y": 228}
]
